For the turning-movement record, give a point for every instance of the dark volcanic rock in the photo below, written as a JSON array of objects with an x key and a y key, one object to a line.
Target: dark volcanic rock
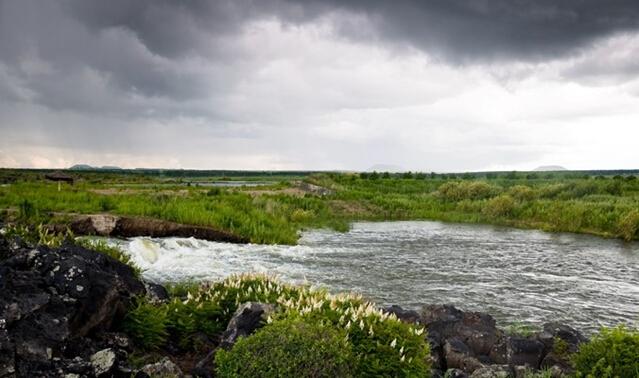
[
  {"x": 52, "y": 304},
  {"x": 560, "y": 341},
  {"x": 449, "y": 328},
  {"x": 408, "y": 316},
  {"x": 248, "y": 317}
]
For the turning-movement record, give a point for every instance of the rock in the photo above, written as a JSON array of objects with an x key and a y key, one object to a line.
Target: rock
[
  {"x": 407, "y": 316},
  {"x": 569, "y": 335},
  {"x": 156, "y": 293},
  {"x": 110, "y": 225},
  {"x": 493, "y": 371},
  {"x": 103, "y": 361},
  {"x": 247, "y": 318},
  {"x": 477, "y": 330},
  {"x": 455, "y": 373},
  {"x": 524, "y": 352},
  {"x": 165, "y": 369},
  {"x": 54, "y": 303},
  {"x": 436, "y": 373},
  {"x": 458, "y": 339},
  {"x": 459, "y": 356},
  {"x": 560, "y": 341}
]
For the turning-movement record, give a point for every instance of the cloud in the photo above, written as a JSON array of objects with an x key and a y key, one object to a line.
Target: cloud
[{"x": 427, "y": 85}]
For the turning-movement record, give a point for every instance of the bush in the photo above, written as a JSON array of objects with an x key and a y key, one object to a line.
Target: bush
[
  {"x": 288, "y": 348},
  {"x": 629, "y": 225},
  {"x": 473, "y": 190},
  {"x": 147, "y": 324},
  {"x": 613, "y": 353},
  {"x": 381, "y": 344},
  {"x": 521, "y": 193},
  {"x": 501, "y": 206}
]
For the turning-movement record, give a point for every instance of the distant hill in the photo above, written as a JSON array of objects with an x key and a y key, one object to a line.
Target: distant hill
[
  {"x": 385, "y": 168},
  {"x": 549, "y": 168},
  {"x": 86, "y": 167}
]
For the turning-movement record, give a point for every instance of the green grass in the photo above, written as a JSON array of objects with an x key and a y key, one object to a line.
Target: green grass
[{"x": 272, "y": 214}]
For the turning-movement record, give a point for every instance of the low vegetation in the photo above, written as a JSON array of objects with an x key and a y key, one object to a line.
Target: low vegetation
[
  {"x": 376, "y": 343},
  {"x": 278, "y": 210},
  {"x": 613, "y": 353},
  {"x": 289, "y": 348}
]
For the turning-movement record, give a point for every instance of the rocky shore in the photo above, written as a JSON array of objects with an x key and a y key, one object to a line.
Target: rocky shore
[{"x": 60, "y": 309}]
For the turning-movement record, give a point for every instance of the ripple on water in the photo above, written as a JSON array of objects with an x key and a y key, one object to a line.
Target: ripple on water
[{"x": 516, "y": 275}]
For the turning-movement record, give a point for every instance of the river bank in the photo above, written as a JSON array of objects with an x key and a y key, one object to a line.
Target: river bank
[
  {"x": 70, "y": 310},
  {"x": 276, "y": 213}
]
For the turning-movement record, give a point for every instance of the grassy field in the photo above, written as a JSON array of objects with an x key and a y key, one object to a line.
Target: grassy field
[{"x": 278, "y": 209}]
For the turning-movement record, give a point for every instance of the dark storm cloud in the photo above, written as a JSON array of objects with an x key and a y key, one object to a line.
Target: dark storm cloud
[{"x": 457, "y": 30}]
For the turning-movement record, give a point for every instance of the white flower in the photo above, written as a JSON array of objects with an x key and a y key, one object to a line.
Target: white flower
[
  {"x": 393, "y": 343},
  {"x": 402, "y": 359}
]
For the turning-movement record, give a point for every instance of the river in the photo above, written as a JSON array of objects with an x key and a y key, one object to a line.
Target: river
[{"x": 515, "y": 275}]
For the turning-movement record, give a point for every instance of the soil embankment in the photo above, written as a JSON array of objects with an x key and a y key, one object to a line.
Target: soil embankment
[{"x": 122, "y": 226}]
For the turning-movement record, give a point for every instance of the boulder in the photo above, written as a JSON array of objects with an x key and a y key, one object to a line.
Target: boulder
[
  {"x": 493, "y": 371},
  {"x": 53, "y": 303},
  {"x": 455, "y": 373},
  {"x": 164, "y": 368},
  {"x": 560, "y": 341},
  {"x": 524, "y": 352},
  {"x": 156, "y": 293},
  {"x": 459, "y": 356},
  {"x": 248, "y": 317},
  {"x": 103, "y": 362},
  {"x": 459, "y": 339},
  {"x": 407, "y": 316}
]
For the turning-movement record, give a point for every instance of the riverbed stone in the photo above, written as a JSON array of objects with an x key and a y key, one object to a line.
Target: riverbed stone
[
  {"x": 458, "y": 355},
  {"x": 493, "y": 371},
  {"x": 248, "y": 317},
  {"x": 103, "y": 361},
  {"x": 165, "y": 368},
  {"x": 455, "y": 373},
  {"x": 405, "y": 315}
]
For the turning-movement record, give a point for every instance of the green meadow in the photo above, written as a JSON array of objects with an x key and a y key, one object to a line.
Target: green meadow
[{"x": 281, "y": 206}]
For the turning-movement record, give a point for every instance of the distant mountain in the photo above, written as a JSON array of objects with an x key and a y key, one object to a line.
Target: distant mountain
[
  {"x": 385, "y": 168},
  {"x": 86, "y": 167},
  {"x": 549, "y": 168}
]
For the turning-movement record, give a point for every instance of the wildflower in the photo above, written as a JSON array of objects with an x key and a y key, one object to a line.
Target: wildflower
[{"x": 393, "y": 343}]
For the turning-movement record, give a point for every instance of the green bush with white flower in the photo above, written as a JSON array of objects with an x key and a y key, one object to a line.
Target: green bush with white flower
[{"x": 381, "y": 344}]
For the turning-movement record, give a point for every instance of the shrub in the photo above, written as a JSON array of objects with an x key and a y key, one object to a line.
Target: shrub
[
  {"x": 501, "y": 206},
  {"x": 288, "y": 348},
  {"x": 147, "y": 324},
  {"x": 521, "y": 193},
  {"x": 39, "y": 235},
  {"x": 473, "y": 190},
  {"x": 613, "y": 353},
  {"x": 381, "y": 344},
  {"x": 629, "y": 225}
]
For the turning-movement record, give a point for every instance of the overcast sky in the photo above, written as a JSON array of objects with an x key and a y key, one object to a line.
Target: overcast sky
[{"x": 430, "y": 85}]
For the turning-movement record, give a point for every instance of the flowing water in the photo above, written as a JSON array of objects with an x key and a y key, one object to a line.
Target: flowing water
[{"x": 515, "y": 275}]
